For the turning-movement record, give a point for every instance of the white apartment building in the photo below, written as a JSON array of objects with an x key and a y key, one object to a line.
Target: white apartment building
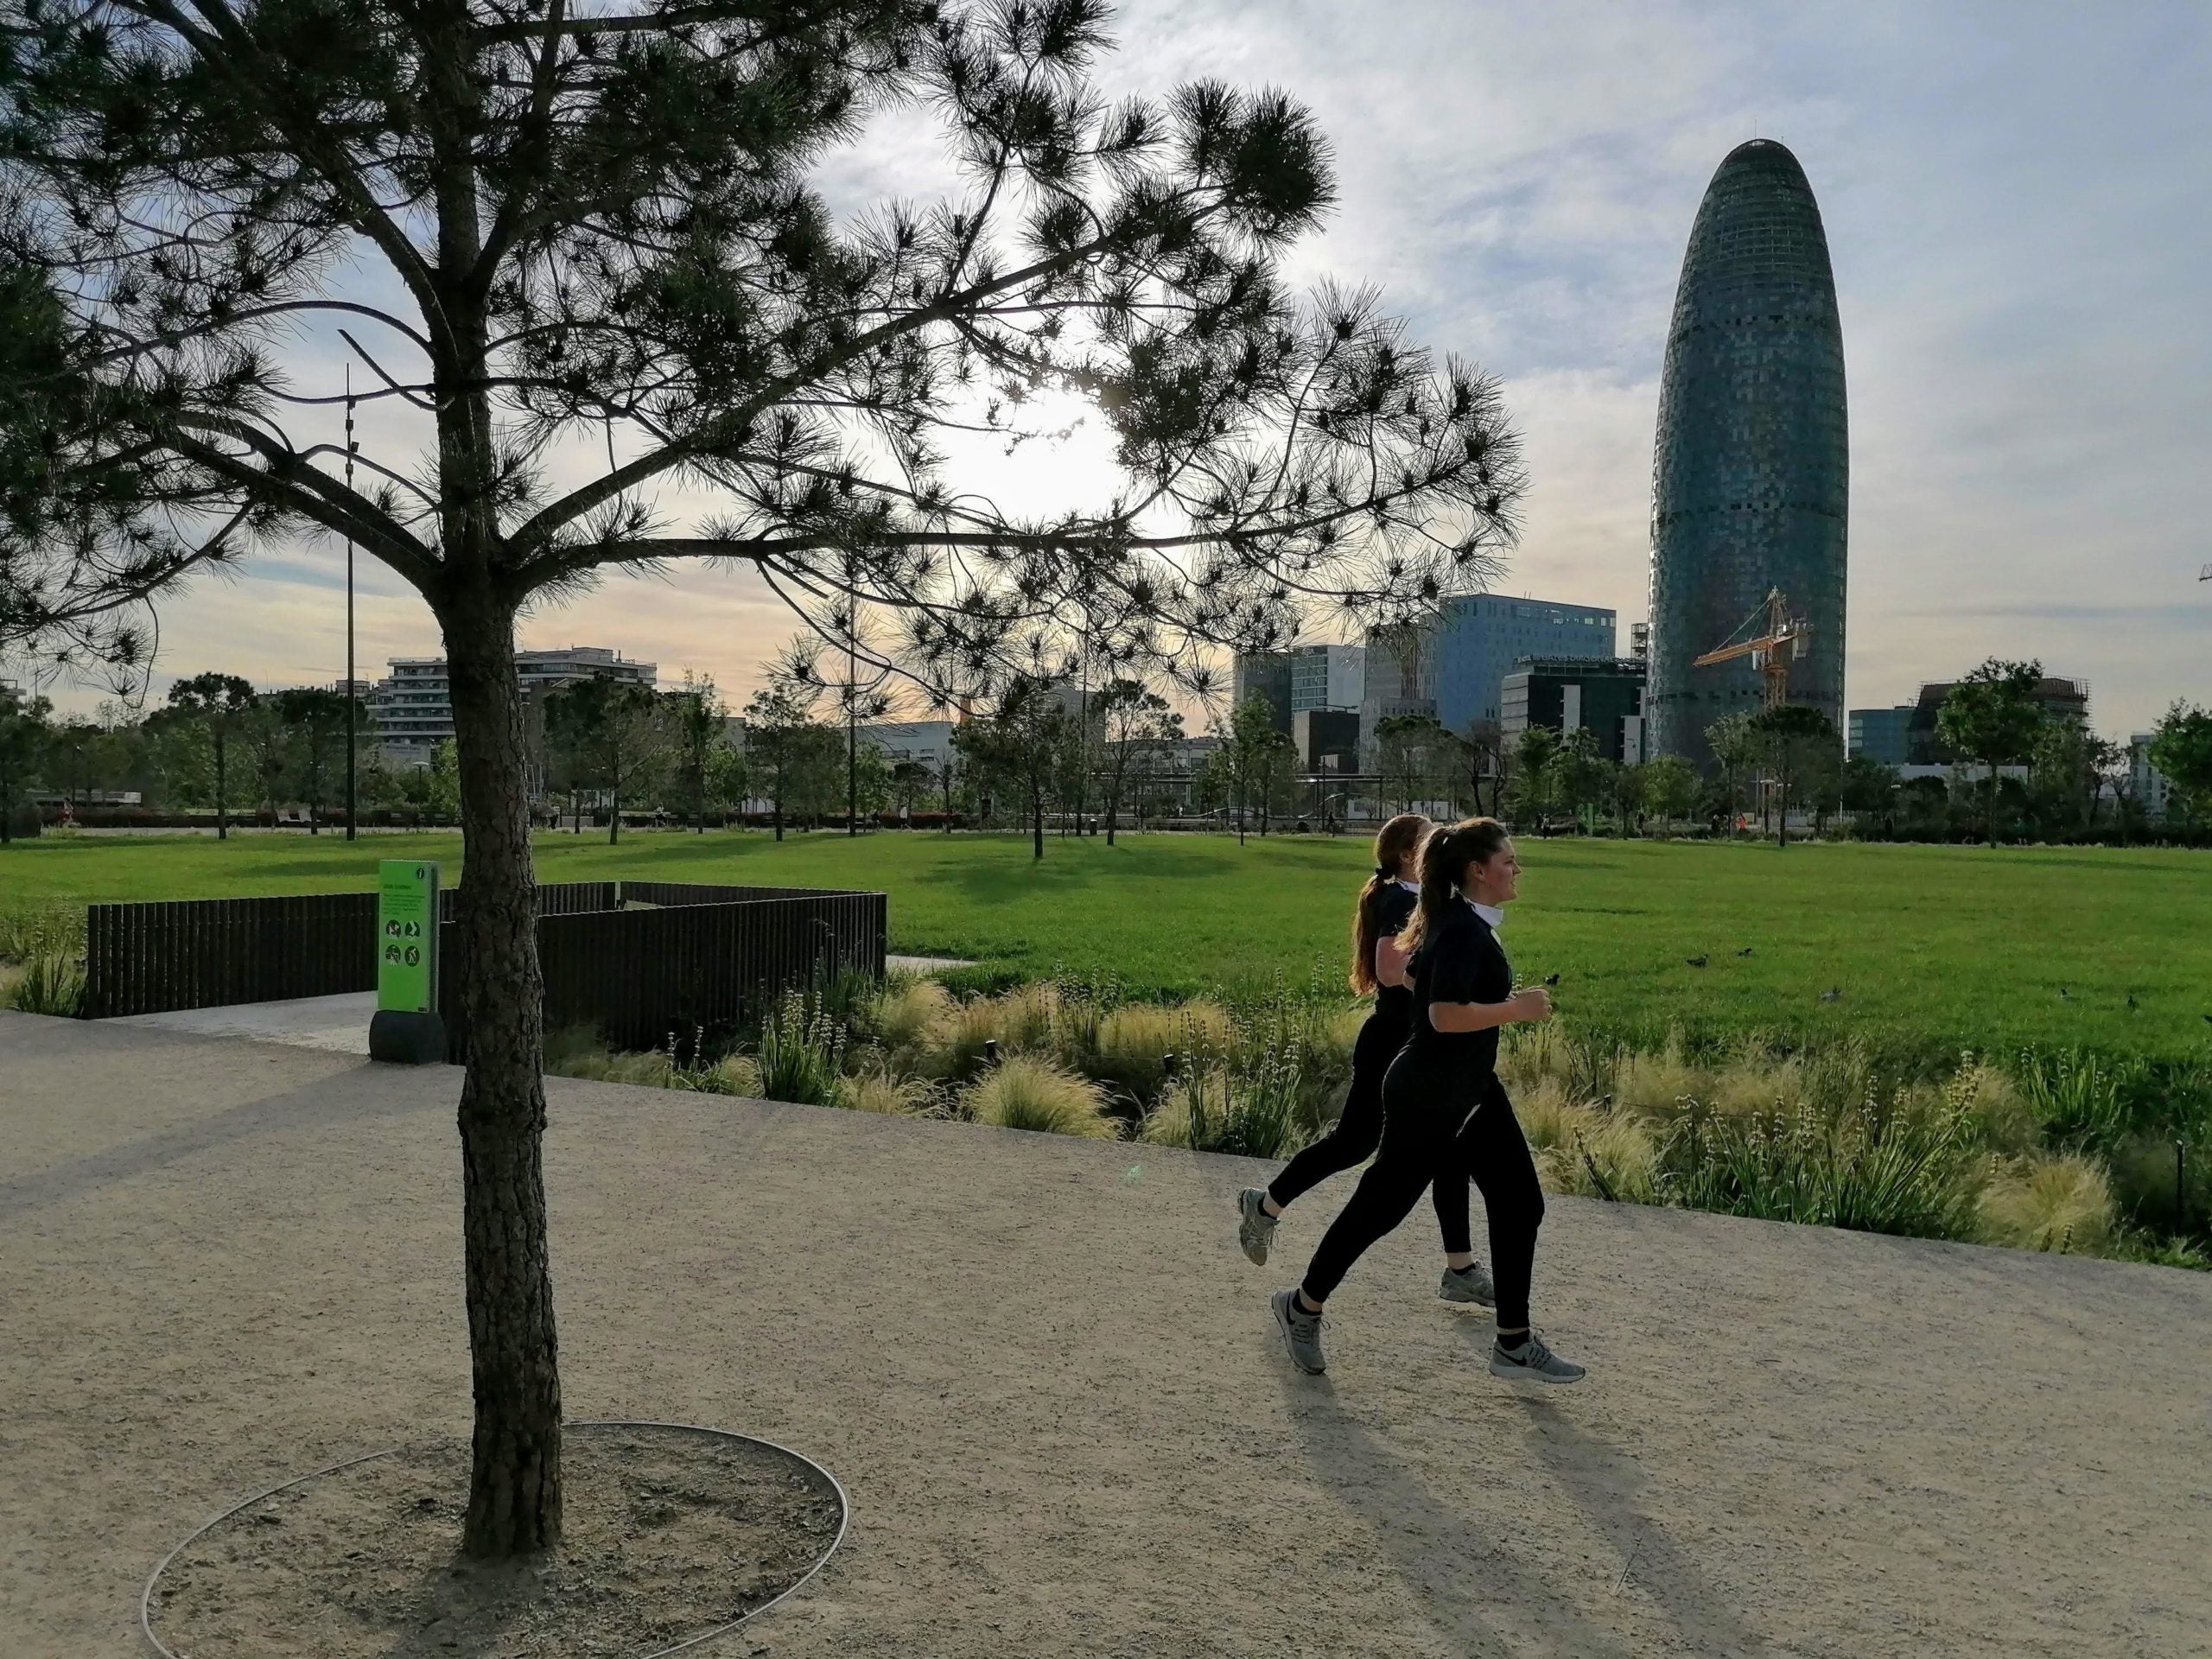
[{"x": 413, "y": 705}]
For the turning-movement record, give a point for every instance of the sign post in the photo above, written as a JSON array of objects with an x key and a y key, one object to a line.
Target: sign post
[{"x": 406, "y": 1029}]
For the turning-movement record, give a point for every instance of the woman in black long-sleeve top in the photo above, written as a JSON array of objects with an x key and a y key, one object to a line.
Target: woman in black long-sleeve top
[
  {"x": 1444, "y": 1113},
  {"x": 1385, "y": 905}
]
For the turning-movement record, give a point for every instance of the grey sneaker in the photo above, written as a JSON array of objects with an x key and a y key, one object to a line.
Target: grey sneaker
[
  {"x": 1301, "y": 1332},
  {"x": 1472, "y": 1286},
  {"x": 1533, "y": 1359},
  {"x": 1255, "y": 1227}
]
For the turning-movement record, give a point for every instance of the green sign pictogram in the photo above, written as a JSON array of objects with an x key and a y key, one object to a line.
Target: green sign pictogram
[{"x": 407, "y": 936}]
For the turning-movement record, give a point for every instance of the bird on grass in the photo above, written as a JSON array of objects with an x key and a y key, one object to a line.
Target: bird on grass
[
  {"x": 1551, "y": 979},
  {"x": 1695, "y": 962},
  {"x": 1745, "y": 951},
  {"x": 2064, "y": 994},
  {"x": 2130, "y": 1001},
  {"x": 1836, "y": 995}
]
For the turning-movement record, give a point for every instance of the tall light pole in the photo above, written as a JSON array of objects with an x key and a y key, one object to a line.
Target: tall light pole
[{"x": 352, "y": 686}]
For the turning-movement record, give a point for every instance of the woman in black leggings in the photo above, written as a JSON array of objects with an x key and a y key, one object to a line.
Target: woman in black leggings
[
  {"x": 1378, "y": 965},
  {"x": 1444, "y": 1113}
]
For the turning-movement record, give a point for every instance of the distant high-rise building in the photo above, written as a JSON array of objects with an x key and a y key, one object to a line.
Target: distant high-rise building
[
  {"x": 413, "y": 706},
  {"x": 1327, "y": 677},
  {"x": 1570, "y": 693},
  {"x": 2058, "y": 699},
  {"x": 1264, "y": 675},
  {"x": 1751, "y": 468},
  {"x": 1881, "y": 734},
  {"x": 1479, "y": 638}
]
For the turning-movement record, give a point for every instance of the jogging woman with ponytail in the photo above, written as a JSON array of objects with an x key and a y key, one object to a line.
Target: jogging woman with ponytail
[
  {"x": 1378, "y": 965},
  {"x": 1444, "y": 1113}
]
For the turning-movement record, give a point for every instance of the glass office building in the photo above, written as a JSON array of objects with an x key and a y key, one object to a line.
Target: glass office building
[
  {"x": 1751, "y": 472},
  {"x": 1479, "y": 638}
]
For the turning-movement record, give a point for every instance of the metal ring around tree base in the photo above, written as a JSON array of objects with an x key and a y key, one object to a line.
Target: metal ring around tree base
[{"x": 844, "y": 1524}]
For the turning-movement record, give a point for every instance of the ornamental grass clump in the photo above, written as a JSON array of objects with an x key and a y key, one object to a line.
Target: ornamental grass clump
[
  {"x": 1253, "y": 1110},
  {"x": 1870, "y": 1169},
  {"x": 906, "y": 1011},
  {"x": 51, "y": 983},
  {"x": 1134, "y": 1041},
  {"x": 1026, "y": 1091},
  {"x": 885, "y": 1095},
  {"x": 801, "y": 1052},
  {"x": 2057, "y": 1201}
]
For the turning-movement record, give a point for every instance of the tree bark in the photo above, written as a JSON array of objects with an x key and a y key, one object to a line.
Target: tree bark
[
  {"x": 514, "y": 1502},
  {"x": 222, "y": 824}
]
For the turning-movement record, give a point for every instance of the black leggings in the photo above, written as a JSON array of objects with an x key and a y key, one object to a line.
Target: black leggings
[
  {"x": 1422, "y": 1145},
  {"x": 1356, "y": 1133}
]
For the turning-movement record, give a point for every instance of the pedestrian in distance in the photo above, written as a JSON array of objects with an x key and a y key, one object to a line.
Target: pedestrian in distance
[
  {"x": 1445, "y": 1112},
  {"x": 1385, "y": 903}
]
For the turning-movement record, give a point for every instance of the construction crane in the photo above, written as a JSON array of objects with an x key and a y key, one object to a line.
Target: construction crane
[{"x": 1772, "y": 651}]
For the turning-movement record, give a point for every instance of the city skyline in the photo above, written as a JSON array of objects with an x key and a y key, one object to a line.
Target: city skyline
[{"x": 2016, "y": 246}]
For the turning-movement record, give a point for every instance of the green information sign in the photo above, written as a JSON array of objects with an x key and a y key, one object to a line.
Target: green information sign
[{"x": 407, "y": 936}]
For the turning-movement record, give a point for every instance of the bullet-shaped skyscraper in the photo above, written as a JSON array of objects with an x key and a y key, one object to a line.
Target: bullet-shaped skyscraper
[{"x": 1750, "y": 476}]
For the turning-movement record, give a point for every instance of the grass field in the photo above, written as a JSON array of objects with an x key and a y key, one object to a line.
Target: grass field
[{"x": 1930, "y": 946}]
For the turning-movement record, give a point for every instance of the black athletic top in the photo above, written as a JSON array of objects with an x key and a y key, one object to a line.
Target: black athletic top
[
  {"x": 1461, "y": 962},
  {"x": 1393, "y": 908}
]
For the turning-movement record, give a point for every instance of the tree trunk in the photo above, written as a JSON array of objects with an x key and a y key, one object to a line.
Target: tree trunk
[
  {"x": 222, "y": 824},
  {"x": 514, "y": 1501},
  {"x": 1037, "y": 826}
]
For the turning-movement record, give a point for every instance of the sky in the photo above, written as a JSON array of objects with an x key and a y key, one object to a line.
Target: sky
[{"x": 2016, "y": 196}]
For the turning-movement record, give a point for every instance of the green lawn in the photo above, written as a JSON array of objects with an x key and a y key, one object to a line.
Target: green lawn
[{"x": 1929, "y": 946}]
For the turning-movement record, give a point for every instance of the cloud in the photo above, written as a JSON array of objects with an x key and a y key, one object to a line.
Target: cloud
[{"x": 2014, "y": 198}]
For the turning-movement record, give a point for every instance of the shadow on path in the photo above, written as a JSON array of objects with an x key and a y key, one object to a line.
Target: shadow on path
[
  {"x": 350, "y": 1096},
  {"x": 1462, "y": 1579}
]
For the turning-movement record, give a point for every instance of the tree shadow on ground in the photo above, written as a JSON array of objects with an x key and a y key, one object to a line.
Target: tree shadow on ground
[{"x": 304, "y": 1105}]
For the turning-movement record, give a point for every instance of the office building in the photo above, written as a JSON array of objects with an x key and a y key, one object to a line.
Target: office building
[
  {"x": 1264, "y": 675},
  {"x": 1570, "y": 693},
  {"x": 1327, "y": 739},
  {"x": 2058, "y": 699},
  {"x": 413, "y": 705},
  {"x": 1752, "y": 466},
  {"x": 1880, "y": 734},
  {"x": 2153, "y": 794},
  {"x": 1478, "y": 640},
  {"x": 929, "y": 741},
  {"x": 1327, "y": 677}
]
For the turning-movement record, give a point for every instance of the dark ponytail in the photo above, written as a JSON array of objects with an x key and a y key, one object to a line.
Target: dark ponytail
[
  {"x": 1444, "y": 860},
  {"x": 1400, "y": 836}
]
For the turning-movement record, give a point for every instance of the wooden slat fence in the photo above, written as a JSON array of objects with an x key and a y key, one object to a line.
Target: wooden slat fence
[
  {"x": 706, "y": 955},
  {"x": 643, "y": 976}
]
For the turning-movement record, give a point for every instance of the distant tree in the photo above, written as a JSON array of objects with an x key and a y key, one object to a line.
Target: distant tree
[
  {"x": 1737, "y": 751},
  {"x": 1262, "y": 762},
  {"x": 1421, "y": 763},
  {"x": 2181, "y": 748},
  {"x": 779, "y": 732},
  {"x": 909, "y": 781},
  {"x": 1669, "y": 787},
  {"x": 1022, "y": 743},
  {"x": 1868, "y": 788},
  {"x": 1490, "y": 766},
  {"x": 1992, "y": 717},
  {"x": 314, "y": 721},
  {"x": 23, "y": 728},
  {"x": 1795, "y": 737},
  {"x": 1580, "y": 773},
  {"x": 221, "y": 703},
  {"x": 1135, "y": 723},
  {"x": 2109, "y": 768},
  {"x": 613, "y": 736},
  {"x": 702, "y": 727},
  {"x": 1631, "y": 786},
  {"x": 1535, "y": 772}
]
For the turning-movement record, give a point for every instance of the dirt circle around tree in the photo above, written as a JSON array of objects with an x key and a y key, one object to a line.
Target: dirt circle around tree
[{"x": 672, "y": 1535}]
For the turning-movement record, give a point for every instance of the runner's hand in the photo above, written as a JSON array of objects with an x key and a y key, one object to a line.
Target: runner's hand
[{"x": 1532, "y": 1004}]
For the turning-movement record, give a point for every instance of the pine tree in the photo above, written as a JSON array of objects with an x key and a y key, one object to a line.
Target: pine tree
[{"x": 550, "y": 236}]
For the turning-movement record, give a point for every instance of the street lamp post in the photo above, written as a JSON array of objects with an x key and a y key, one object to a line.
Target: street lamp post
[{"x": 352, "y": 686}]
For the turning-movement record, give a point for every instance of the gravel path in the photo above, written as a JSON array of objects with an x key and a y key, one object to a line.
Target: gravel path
[{"x": 1049, "y": 1383}]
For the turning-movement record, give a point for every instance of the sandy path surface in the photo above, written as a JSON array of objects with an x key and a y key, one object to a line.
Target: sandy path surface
[{"x": 1048, "y": 1382}]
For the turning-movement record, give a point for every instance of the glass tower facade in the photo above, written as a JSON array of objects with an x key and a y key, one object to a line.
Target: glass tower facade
[{"x": 1751, "y": 471}]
